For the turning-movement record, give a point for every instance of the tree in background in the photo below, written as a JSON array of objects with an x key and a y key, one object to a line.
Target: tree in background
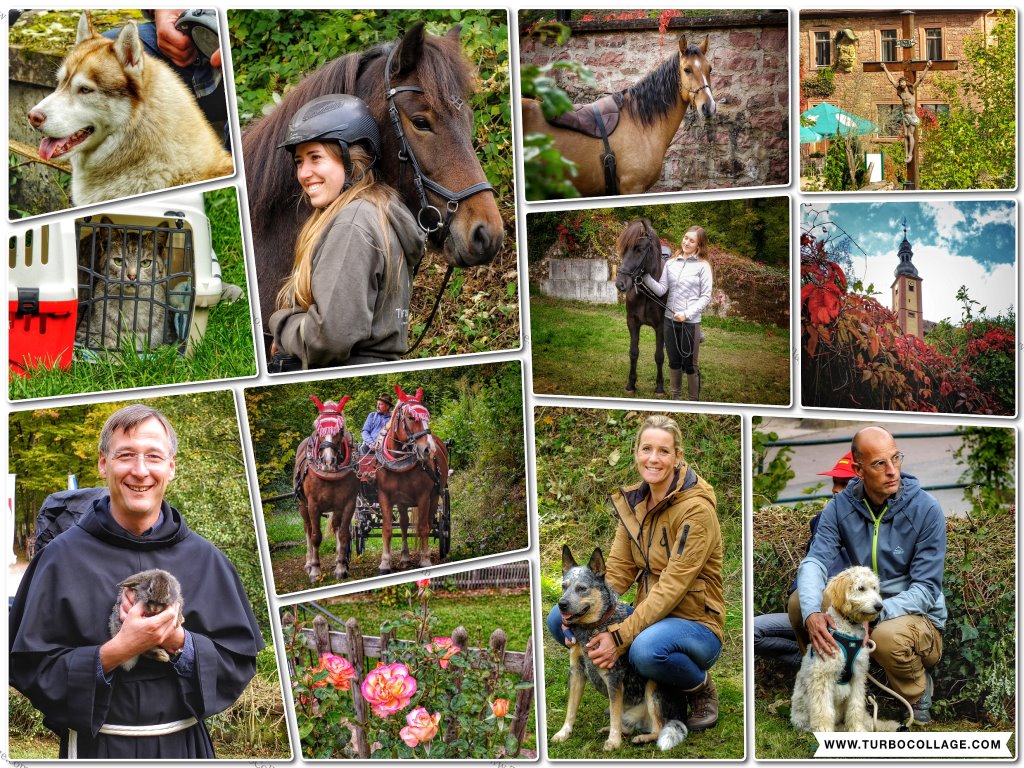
[{"x": 974, "y": 146}]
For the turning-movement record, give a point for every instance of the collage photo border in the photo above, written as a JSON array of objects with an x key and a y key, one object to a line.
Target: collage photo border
[{"x": 595, "y": 406}]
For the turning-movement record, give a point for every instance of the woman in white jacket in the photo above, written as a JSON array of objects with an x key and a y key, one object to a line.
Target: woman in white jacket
[{"x": 687, "y": 281}]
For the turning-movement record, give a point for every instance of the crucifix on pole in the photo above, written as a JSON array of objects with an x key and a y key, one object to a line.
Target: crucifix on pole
[{"x": 906, "y": 88}]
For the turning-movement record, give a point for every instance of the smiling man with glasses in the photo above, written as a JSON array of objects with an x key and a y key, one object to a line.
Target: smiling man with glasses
[
  {"x": 885, "y": 521},
  {"x": 63, "y": 655}
]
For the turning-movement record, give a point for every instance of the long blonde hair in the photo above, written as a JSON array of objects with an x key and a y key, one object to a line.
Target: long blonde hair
[{"x": 297, "y": 289}]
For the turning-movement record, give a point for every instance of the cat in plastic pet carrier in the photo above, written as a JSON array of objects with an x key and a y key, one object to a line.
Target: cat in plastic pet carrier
[{"x": 129, "y": 298}]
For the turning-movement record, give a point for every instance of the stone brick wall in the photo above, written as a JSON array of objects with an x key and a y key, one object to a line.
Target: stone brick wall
[
  {"x": 747, "y": 142},
  {"x": 861, "y": 92}
]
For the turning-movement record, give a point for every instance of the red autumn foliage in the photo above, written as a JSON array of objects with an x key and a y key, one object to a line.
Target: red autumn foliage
[{"x": 856, "y": 356}]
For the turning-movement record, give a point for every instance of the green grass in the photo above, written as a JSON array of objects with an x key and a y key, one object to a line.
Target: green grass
[
  {"x": 480, "y": 614},
  {"x": 583, "y": 349},
  {"x": 225, "y": 351},
  {"x": 724, "y": 741},
  {"x": 775, "y": 738}
]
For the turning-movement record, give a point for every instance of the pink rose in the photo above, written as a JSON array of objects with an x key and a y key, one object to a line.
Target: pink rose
[
  {"x": 422, "y": 727},
  {"x": 388, "y": 688},
  {"x": 340, "y": 671},
  {"x": 445, "y": 645},
  {"x": 422, "y": 583}
]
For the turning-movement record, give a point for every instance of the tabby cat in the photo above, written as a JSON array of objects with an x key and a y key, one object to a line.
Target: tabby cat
[{"x": 129, "y": 300}]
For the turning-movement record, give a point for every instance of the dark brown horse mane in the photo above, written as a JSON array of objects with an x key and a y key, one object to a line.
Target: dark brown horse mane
[
  {"x": 443, "y": 72},
  {"x": 652, "y": 98}
]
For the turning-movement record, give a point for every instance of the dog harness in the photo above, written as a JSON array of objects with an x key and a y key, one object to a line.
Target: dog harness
[{"x": 851, "y": 647}]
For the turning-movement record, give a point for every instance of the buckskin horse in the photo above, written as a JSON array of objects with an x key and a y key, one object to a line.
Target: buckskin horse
[
  {"x": 640, "y": 122},
  {"x": 418, "y": 89},
  {"x": 640, "y": 250},
  {"x": 326, "y": 485},
  {"x": 413, "y": 473}
]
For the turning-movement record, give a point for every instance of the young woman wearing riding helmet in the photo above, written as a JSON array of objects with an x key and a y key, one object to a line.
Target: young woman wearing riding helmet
[{"x": 347, "y": 298}]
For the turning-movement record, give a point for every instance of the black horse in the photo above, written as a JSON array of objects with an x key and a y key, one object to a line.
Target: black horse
[{"x": 640, "y": 252}]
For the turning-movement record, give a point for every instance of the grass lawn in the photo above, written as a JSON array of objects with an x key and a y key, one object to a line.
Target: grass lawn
[
  {"x": 583, "y": 349},
  {"x": 226, "y": 350},
  {"x": 724, "y": 741},
  {"x": 775, "y": 738}
]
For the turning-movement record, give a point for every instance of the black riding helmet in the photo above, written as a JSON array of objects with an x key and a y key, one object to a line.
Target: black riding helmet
[{"x": 335, "y": 117}]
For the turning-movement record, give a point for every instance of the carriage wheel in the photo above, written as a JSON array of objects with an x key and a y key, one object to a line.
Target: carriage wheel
[{"x": 444, "y": 525}]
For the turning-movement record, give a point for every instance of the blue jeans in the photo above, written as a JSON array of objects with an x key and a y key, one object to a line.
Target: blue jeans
[
  {"x": 774, "y": 638},
  {"x": 671, "y": 651}
]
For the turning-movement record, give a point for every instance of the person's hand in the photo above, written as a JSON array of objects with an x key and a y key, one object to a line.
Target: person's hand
[
  {"x": 273, "y": 348},
  {"x": 140, "y": 633},
  {"x": 602, "y": 651},
  {"x": 570, "y": 638},
  {"x": 215, "y": 59},
  {"x": 821, "y": 639},
  {"x": 679, "y": 317},
  {"x": 173, "y": 43}
]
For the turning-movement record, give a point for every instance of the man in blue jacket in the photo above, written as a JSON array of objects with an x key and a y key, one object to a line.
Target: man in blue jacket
[
  {"x": 886, "y": 522},
  {"x": 376, "y": 420}
]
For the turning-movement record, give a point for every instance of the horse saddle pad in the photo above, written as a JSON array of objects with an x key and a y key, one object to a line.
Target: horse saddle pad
[
  {"x": 584, "y": 118},
  {"x": 366, "y": 469}
]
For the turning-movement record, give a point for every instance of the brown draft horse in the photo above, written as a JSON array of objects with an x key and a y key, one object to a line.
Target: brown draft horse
[
  {"x": 431, "y": 84},
  {"x": 652, "y": 110},
  {"x": 326, "y": 485},
  {"x": 413, "y": 473},
  {"x": 640, "y": 251}
]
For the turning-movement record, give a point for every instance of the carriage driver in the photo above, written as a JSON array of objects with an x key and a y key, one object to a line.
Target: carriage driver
[{"x": 375, "y": 422}]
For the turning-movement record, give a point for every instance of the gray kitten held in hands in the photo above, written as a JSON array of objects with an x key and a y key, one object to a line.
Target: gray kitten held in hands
[{"x": 156, "y": 589}]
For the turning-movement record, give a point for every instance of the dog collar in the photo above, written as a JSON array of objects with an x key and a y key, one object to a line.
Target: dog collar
[
  {"x": 600, "y": 622},
  {"x": 851, "y": 647}
]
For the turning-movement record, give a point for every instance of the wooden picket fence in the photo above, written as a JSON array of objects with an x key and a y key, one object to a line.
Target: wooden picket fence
[
  {"x": 357, "y": 647},
  {"x": 495, "y": 576}
]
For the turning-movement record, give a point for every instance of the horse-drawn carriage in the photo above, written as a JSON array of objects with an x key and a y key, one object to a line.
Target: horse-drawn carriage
[
  {"x": 407, "y": 469},
  {"x": 369, "y": 518}
]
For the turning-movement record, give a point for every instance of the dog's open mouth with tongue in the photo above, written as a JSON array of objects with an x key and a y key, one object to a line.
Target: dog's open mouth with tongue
[{"x": 50, "y": 148}]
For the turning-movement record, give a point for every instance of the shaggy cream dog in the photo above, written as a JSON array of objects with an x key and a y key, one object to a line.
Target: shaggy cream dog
[{"x": 830, "y": 691}]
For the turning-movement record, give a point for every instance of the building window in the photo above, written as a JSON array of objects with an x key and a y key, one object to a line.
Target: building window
[
  {"x": 939, "y": 110},
  {"x": 822, "y": 49},
  {"x": 890, "y": 120},
  {"x": 888, "y": 38},
  {"x": 910, "y": 287},
  {"x": 933, "y": 43}
]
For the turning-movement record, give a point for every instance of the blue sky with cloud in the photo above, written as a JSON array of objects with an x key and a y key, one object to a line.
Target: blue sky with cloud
[{"x": 970, "y": 243}]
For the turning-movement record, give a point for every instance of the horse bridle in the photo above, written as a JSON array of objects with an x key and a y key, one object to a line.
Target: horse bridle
[
  {"x": 411, "y": 437},
  {"x": 637, "y": 276},
  {"x": 407, "y": 157}
]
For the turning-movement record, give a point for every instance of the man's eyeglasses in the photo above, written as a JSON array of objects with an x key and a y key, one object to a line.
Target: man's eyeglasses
[
  {"x": 881, "y": 464},
  {"x": 132, "y": 458}
]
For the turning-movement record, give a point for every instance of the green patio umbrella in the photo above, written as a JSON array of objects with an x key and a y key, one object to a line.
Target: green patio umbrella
[{"x": 828, "y": 120}]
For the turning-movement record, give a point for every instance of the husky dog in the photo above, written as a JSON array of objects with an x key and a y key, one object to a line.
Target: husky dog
[
  {"x": 588, "y": 606},
  {"x": 157, "y": 589},
  {"x": 831, "y": 690},
  {"x": 125, "y": 120},
  {"x": 130, "y": 297}
]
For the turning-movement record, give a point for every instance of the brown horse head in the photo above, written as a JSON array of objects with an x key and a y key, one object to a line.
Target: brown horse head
[
  {"x": 695, "y": 77},
  {"x": 329, "y": 432},
  {"x": 639, "y": 249},
  {"x": 411, "y": 424}
]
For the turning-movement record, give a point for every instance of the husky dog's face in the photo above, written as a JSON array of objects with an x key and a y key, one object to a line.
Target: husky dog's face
[
  {"x": 97, "y": 90},
  {"x": 584, "y": 597}
]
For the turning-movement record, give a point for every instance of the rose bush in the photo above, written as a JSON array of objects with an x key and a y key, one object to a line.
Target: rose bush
[{"x": 425, "y": 698}]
